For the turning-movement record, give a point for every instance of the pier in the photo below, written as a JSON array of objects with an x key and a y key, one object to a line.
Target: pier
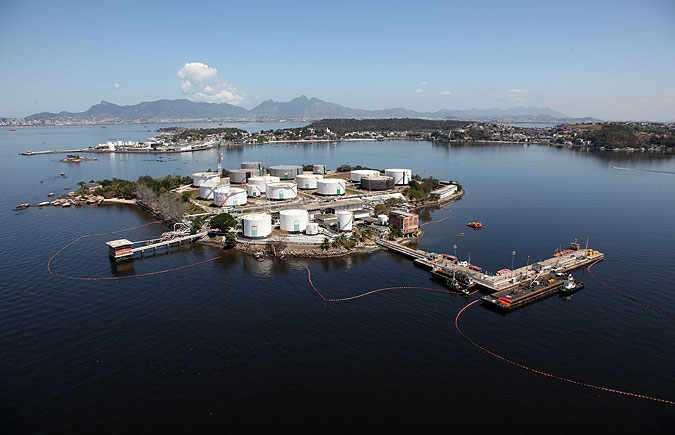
[
  {"x": 564, "y": 263},
  {"x": 122, "y": 249}
]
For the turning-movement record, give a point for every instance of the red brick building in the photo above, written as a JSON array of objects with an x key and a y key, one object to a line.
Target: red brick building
[{"x": 408, "y": 223}]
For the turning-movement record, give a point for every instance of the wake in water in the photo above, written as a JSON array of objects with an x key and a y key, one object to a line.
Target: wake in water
[{"x": 618, "y": 168}]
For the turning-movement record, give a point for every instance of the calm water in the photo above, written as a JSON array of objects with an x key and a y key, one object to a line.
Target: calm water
[{"x": 237, "y": 344}]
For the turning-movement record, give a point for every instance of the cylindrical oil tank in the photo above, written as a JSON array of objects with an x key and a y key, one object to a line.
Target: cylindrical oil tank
[
  {"x": 255, "y": 166},
  {"x": 285, "y": 172},
  {"x": 282, "y": 190},
  {"x": 345, "y": 220},
  {"x": 262, "y": 181},
  {"x": 199, "y": 177},
  {"x": 401, "y": 176},
  {"x": 377, "y": 182},
  {"x": 293, "y": 221},
  {"x": 229, "y": 196},
  {"x": 239, "y": 176},
  {"x": 382, "y": 219},
  {"x": 253, "y": 191},
  {"x": 312, "y": 229},
  {"x": 319, "y": 169},
  {"x": 330, "y": 186},
  {"x": 257, "y": 225},
  {"x": 307, "y": 181},
  {"x": 206, "y": 188},
  {"x": 357, "y": 174}
]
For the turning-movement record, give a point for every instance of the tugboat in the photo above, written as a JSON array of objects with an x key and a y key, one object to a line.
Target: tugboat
[
  {"x": 475, "y": 225},
  {"x": 570, "y": 285},
  {"x": 456, "y": 281}
]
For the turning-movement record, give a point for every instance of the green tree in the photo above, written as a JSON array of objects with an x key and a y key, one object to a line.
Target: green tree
[
  {"x": 325, "y": 245},
  {"x": 223, "y": 222},
  {"x": 230, "y": 241},
  {"x": 381, "y": 209}
]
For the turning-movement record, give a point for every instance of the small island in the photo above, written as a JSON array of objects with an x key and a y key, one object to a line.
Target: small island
[{"x": 76, "y": 158}]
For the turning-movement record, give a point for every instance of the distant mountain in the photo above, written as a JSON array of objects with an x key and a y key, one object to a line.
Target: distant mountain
[
  {"x": 300, "y": 108},
  {"x": 149, "y": 111}
]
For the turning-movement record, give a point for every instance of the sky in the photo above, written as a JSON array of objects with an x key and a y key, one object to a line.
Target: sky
[{"x": 612, "y": 60}]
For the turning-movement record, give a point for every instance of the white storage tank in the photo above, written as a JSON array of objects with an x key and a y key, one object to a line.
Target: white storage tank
[
  {"x": 257, "y": 225},
  {"x": 285, "y": 172},
  {"x": 199, "y": 177},
  {"x": 253, "y": 191},
  {"x": 255, "y": 166},
  {"x": 262, "y": 181},
  {"x": 240, "y": 176},
  {"x": 307, "y": 181},
  {"x": 293, "y": 221},
  {"x": 401, "y": 176},
  {"x": 356, "y": 174},
  {"x": 345, "y": 220},
  {"x": 330, "y": 186},
  {"x": 382, "y": 219},
  {"x": 319, "y": 169},
  {"x": 312, "y": 229},
  {"x": 206, "y": 188},
  {"x": 282, "y": 191},
  {"x": 229, "y": 196}
]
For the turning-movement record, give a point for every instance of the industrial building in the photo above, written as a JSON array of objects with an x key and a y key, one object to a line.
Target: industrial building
[
  {"x": 445, "y": 191},
  {"x": 408, "y": 223}
]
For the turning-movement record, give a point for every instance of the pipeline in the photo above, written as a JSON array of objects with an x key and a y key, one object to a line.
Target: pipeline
[
  {"x": 106, "y": 278},
  {"x": 627, "y": 296},
  {"x": 549, "y": 375}
]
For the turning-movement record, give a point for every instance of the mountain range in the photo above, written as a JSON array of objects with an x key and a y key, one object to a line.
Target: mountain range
[{"x": 298, "y": 109}]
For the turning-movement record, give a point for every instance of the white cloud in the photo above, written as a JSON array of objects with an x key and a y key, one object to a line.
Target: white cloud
[
  {"x": 423, "y": 83},
  {"x": 518, "y": 91},
  {"x": 419, "y": 90},
  {"x": 446, "y": 92},
  {"x": 202, "y": 83},
  {"x": 117, "y": 86},
  {"x": 514, "y": 95}
]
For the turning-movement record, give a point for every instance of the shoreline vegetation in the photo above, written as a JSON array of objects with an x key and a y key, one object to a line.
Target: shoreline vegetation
[
  {"x": 614, "y": 136},
  {"x": 172, "y": 200}
]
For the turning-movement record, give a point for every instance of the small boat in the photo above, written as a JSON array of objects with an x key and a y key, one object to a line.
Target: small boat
[
  {"x": 63, "y": 174},
  {"x": 12, "y": 129},
  {"x": 459, "y": 234},
  {"x": 475, "y": 225},
  {"x": 103, "y": 126},
  {"x": 570, "y": 285},
  {"x": 50, "y": 194},
  {"x": 457, "y": 281},
  {"x": 21, "y": 206}
]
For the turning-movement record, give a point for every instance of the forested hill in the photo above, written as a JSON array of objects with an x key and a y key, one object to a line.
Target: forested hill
[{"x": 343, "y": 125}]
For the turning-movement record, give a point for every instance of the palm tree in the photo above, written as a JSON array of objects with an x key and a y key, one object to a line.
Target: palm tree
[{"x": 325, "y": 245}]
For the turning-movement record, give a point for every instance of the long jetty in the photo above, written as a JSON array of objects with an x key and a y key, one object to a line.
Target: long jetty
[
  {"x": 564, "y": 263},
  {"x": 122, "y": 249}
]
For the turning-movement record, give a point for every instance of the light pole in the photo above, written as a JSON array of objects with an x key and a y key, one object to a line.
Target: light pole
[{"x": 513, "y": 257}]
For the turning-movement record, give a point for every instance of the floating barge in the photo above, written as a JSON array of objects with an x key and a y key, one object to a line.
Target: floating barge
[{"x": 524, "y": 293}]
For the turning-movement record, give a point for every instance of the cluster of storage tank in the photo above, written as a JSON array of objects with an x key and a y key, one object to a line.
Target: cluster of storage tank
[
  {"x": 259, "y": 225},
  {"x": 198, "y": 178}
]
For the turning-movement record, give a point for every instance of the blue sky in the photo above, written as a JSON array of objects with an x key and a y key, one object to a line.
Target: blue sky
[{"x": 608, "y": 59}]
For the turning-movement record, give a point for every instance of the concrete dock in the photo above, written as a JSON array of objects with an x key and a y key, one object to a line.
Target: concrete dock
[{"x": 565, "y": 263}]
